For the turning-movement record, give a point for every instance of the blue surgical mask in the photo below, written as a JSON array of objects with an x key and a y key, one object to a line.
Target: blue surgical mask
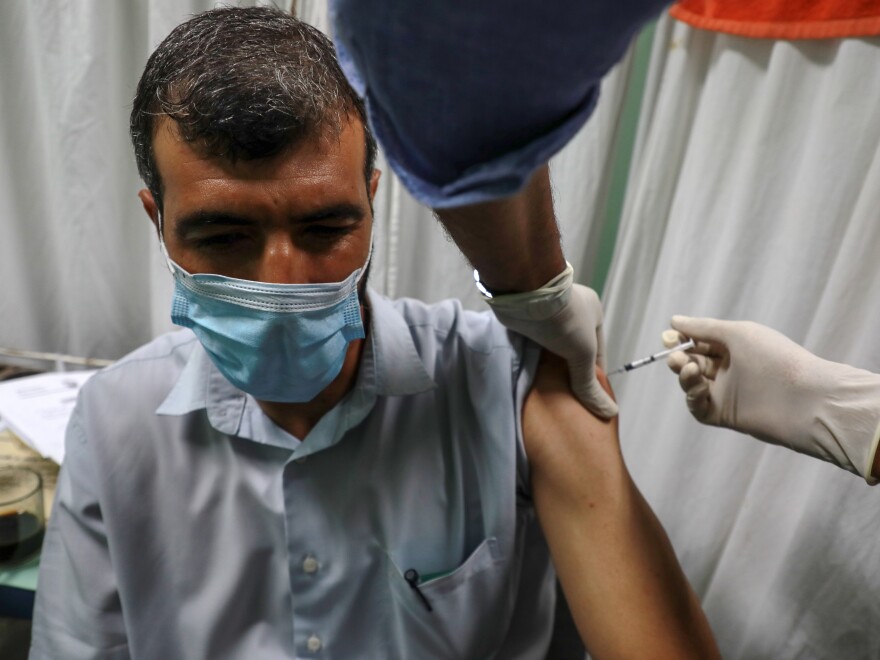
[{"x": 277, "y": 342}]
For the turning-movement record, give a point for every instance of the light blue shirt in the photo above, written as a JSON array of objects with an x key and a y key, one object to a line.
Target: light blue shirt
[{"x": 188, "y": 525}]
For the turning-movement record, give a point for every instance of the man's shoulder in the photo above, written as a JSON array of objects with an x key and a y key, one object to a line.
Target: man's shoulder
[
  {"x": 448, "y": 321},
  {"x": 150, "y": 369}
]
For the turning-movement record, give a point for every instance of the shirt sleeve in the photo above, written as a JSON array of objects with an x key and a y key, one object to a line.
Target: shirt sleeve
[
  {"x": 468, "y": 101},
  {"x": 77, "y": 614},
  {"x": 525, "y": 366}
]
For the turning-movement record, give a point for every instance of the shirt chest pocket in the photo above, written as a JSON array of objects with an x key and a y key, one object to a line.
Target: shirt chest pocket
[{"x": 460, "y": 614}]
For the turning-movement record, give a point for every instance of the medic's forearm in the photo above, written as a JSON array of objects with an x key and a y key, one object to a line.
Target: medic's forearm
[{"x": 513, "y": 242}]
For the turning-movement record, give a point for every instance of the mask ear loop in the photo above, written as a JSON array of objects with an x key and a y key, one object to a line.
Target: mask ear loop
[
  {"x": 369, "y": 254},
  {"x": 162, "y": 248}
]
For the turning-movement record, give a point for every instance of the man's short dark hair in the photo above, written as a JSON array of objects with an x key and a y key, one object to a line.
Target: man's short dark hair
[{"x": 242, "y": 83}]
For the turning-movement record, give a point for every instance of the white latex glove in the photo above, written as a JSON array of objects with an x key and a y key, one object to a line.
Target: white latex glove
[
  {"x": 747, "y": 377},
  {"x": 566, "y": 319}
]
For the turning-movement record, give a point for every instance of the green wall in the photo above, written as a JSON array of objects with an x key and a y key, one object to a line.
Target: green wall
[{"x": 622, "y": 157}]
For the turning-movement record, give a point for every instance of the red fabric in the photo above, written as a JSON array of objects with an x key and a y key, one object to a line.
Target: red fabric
[{"x": 783, "y": 19}]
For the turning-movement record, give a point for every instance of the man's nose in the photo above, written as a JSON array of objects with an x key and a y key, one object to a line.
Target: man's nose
[{"x": 280, "y": 261}]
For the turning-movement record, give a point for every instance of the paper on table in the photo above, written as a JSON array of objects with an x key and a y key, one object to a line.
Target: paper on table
[{"x": 37, "y": 408}]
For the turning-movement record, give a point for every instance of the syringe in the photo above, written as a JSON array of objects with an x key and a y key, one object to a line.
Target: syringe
[{"x": 635, "y": 364}]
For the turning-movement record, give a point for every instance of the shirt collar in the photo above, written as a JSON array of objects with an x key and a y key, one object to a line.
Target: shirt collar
[
  {"x": 399, "y": 367},
  {"x": 202, "y": 386},
  {"x": 390, "y": 366}
]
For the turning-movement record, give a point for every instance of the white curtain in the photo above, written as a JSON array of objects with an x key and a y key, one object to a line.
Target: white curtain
[
  {"x": 754, "y": 194},
  {"x": 79, "y": 260}
]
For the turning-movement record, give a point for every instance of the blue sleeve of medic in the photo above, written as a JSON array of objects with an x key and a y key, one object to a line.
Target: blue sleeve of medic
[{"x": 469, "y": 98}]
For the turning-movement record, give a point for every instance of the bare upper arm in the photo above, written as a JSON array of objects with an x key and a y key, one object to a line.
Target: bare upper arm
[
  {"x": 626, "y": 591},
  {"x": 564, "y": 442}
]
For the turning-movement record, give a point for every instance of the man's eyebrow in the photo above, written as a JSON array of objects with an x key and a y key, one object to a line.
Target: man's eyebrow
[
  {"x": 333, "y": 212},
  {"x": 202, "y": 219}
]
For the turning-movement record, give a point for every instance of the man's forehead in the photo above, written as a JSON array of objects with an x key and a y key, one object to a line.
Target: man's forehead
[
  {"x": 331, "y": 145},
  {"x": 332, "y": 160}
]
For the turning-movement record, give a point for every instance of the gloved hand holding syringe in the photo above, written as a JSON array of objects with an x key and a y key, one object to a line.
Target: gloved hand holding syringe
[{"x": 635, "y": 364}]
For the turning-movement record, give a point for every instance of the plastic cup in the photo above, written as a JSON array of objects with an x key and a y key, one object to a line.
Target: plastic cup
[{"x": 22, "y": 522}]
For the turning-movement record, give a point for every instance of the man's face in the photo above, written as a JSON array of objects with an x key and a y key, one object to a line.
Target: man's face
[{"x": 303, "y": 216}]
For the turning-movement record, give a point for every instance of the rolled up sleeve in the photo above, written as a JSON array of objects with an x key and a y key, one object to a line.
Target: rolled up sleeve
[{"x": 468, "y": 101}]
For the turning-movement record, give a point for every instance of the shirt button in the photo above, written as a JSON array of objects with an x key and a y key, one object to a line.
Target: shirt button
[
  {"x": 313, "y": 643},
  {"x": 310, "y": 564}
]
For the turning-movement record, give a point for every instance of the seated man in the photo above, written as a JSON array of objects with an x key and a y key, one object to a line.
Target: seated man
[{"x": 310, "y": 469}]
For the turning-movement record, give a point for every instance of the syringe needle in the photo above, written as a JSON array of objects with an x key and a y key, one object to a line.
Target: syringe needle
[{"x": 635, "y": 364}]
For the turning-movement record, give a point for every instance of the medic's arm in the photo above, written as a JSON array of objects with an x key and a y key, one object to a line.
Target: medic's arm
[
  {"x": 514, "y": 244},
  {"x": 753, "y": 379},
  {"x": 467, "y": 142},
  {"x": 626, "y": 591},
  {"x": 77, "y": 615}
]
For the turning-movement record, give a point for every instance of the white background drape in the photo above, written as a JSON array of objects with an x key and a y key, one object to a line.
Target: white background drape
[{"x": 753, "y": 193}]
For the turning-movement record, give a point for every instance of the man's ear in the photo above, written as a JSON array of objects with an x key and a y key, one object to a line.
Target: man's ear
[
  {"x": 150, "y": 207},
  {"x": 374, "y": 184}
]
